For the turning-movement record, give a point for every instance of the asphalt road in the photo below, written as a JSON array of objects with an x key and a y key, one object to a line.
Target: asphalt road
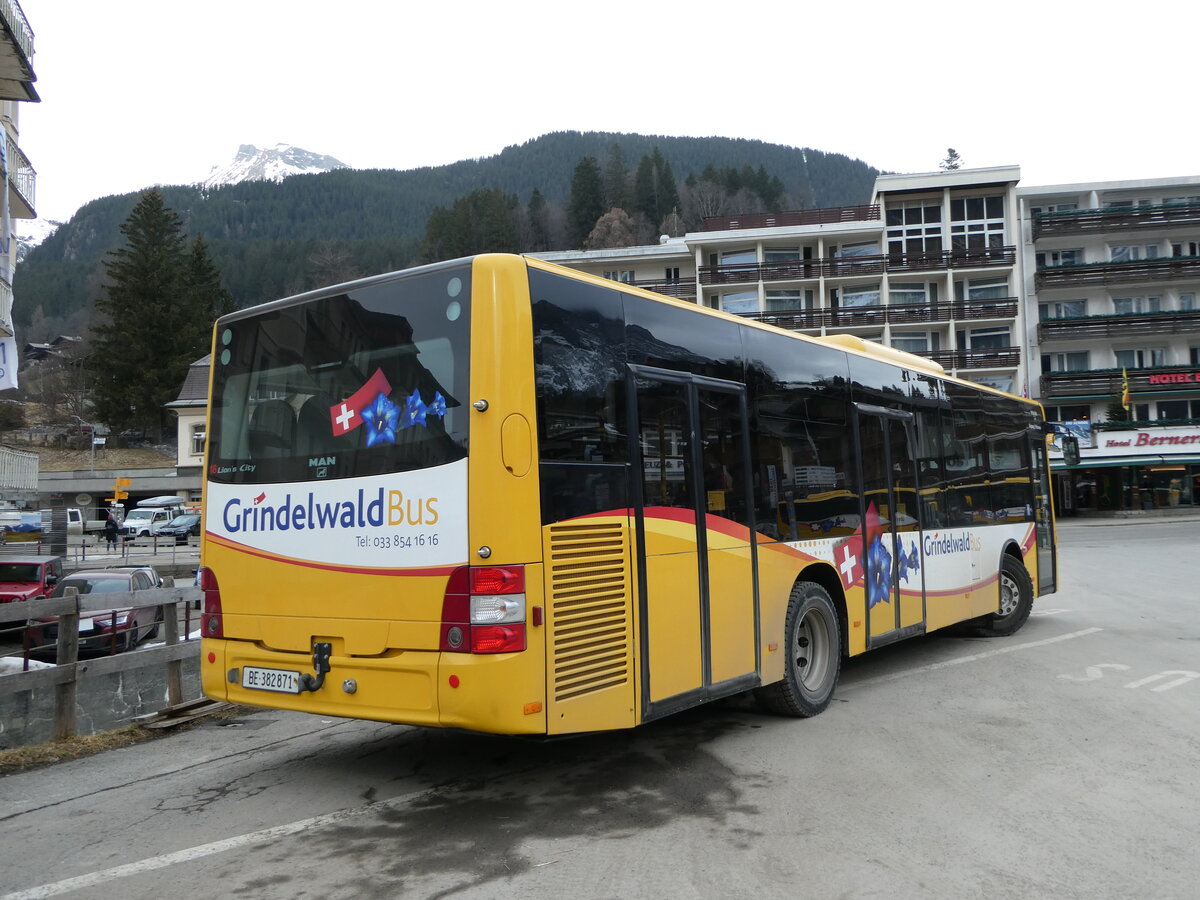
[{"x": 1060, "y": 762}]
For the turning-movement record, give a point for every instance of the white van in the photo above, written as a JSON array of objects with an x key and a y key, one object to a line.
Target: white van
[{"x": 150, "y": 515}]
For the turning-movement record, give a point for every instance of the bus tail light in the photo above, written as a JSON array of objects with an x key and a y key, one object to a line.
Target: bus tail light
[
  {"x": 483, "y": 610},
  {"x": 211, "y": 623}
]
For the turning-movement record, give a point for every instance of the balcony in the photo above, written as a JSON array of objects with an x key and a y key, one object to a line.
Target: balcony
[
  {"x": 16, "y": 54},
  {"x": 685, "y": 290},
  {"x": 1169, "y": 268},
  {"x": 1107, "y": 383},
  {"x": 6, "y": 304},
  {"x": 1088, "y": 327},
  {"x": 1089, "y": 221},
  {"x": 828, "y": 216},
  {"x": 22, "y": 182},
  {"x": 896, "y": 314},
  {"x": 996, "y": 358},
  {"x": 857, "y": 266}
]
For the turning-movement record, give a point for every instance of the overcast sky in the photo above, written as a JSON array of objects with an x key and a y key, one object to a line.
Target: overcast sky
[{"x": 142, "y": 92}]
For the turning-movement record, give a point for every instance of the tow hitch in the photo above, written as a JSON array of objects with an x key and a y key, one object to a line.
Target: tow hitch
[{"x": 321, "y": 653}]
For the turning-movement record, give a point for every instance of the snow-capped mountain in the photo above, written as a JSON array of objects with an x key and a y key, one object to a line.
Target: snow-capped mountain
[
  {"x": 31, "y": 233},
  {"x": 270, "y": 164}
]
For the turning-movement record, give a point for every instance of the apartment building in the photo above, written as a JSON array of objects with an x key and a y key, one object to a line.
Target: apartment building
[
  {"x": 1112, "y": 275},
  {"x": 930, "y": 266},
  {"x": 17, "y": 200}
]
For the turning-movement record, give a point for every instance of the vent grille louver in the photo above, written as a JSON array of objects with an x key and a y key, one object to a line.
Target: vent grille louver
[{"x": 590, "y": 614}]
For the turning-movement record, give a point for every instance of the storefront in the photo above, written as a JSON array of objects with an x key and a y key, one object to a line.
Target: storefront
[{"x": 1143, "y": 469}]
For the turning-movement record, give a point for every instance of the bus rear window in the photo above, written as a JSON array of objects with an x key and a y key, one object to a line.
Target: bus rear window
[{"x": 357, "y": 383}]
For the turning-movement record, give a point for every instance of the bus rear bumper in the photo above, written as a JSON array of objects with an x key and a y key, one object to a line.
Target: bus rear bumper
[
  {"x": 499, "y": 693},
  {"x": 397, "y": 688}
]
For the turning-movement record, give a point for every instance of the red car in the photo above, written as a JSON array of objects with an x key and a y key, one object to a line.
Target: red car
[
  {"x": 28, "y": 577},
  {"x": 109, "y": 630}
]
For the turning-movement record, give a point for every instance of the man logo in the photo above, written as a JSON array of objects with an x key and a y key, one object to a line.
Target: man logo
[{"x": 315, "y": 461}]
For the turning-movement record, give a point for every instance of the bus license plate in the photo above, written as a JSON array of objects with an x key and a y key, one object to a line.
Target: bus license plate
[{"x": 281, "y": 680}]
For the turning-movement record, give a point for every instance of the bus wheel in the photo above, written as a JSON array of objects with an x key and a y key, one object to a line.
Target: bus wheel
[
  {"x": 814, "y": 655},
  {"x": 1016, "y": 600}
]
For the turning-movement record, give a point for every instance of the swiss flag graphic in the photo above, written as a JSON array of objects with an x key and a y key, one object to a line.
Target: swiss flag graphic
[
  {"x": 847, "y": 556},
  {"x": 347, "y": 415}
]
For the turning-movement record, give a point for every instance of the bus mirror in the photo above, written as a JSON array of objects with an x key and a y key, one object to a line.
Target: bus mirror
[{"x": 1070, "y": 449}]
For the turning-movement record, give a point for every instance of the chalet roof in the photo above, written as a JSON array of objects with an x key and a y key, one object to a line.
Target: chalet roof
[{"x": 195, "y": 386}]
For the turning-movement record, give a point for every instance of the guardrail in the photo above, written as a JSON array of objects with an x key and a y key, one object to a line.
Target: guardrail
[{"x": 66, "y": 674}]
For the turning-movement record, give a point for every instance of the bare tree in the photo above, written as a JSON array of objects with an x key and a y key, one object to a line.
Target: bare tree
[{"x": 613, "y": 229}]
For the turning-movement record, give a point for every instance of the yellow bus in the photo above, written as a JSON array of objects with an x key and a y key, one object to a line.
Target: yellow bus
[{"x": 499, "y": 495}]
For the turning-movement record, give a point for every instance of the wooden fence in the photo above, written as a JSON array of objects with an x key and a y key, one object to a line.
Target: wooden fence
[{"x": 65, "y": 676}]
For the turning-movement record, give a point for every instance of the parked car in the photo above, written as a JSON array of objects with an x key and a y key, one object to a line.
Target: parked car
[
  {"x": 28, "y": 577},
  {"x": 107, "y": 630},
  {"x": 150, "y": 515},
  {"x": 180, "y": 527}
]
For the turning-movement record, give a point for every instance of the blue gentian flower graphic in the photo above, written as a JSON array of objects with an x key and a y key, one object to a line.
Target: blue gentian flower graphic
[
  {"x": 438, "y": 406},
  {"x": 879, "y": 567},
  {"x": 381, "y": 419},
  {"x": 415, "y": 411}
]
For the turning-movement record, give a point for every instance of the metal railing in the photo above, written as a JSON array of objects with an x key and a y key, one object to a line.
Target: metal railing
[
  {"x": 1165, "y": 268},
  {"x": 856, "y": 266},
  {"x": 21, "y": 175},
  {"x": 898, "y": 313},
  {"x": 14, "y": 18},
  {"x": 1165, "y": 322},
  {"x": 1123, "y": 218}
]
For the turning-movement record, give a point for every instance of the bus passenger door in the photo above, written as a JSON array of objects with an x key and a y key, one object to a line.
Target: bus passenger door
[
  {"x": 697, "y": 598},
  {"x": 893, "y": 570}
]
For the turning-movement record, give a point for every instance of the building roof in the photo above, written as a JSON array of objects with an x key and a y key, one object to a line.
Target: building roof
[{"x": 195, "y": 386}]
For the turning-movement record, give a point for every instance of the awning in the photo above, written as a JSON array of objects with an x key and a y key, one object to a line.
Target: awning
[{"x": 1108, "y": 462}]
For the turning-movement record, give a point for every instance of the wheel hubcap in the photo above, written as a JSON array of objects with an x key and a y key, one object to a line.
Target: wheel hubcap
[
  {"x": 813, "y": 646},
  {"x": 1009, "y": 592}
]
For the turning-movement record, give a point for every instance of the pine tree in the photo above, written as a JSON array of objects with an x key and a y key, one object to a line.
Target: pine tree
[
  {"x": 156, "y": 313},
  {"x": 616, "y": 179},
  {"x": 952, "y": 161},
  {"x": 539, "y": 222},
  {"x": 134, "y": 366},
  {"x": 586, "y": 205}
]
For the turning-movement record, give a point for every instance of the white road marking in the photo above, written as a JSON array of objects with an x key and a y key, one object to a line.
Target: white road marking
[
  {"x": 105, "y": 876},
  {"x": 960, "y": 660}
]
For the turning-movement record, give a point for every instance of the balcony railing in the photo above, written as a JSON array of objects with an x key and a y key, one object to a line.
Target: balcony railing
[
  {"x": 856, "y": 266},
  {"x": 826, "y": 216},
  {"x": 1086, "y": 221},
  {"x": 997, "y": 358},
  {"x": 14, "y": 18},
  {"x": 898, "y": 313},
  {"x": 670, "y": 287},
  {"x": 22, "y": 180},
  {"x": 1167, "y": 268},
  {"x": 1170, "y": 322},
  {"x": 1109, "y": 382},
  {"x": 6, "y": 304}
]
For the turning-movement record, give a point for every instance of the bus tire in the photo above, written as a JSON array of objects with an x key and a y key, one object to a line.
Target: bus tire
[
  {"x": 812, "y": 636},
  {"x": 1016, "y": 600}
]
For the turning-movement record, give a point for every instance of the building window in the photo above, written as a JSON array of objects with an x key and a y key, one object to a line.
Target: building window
[
  {"x": 988, "y": 289},
  {"x": 1133, "y": 252},
  {"x": 1172, "y": 409},
  {"x": 914, "y": 226},
  {"x": 783, "y": 300},
  {"x": 1194, "y": 356},
  {"x": 1127, "y": 306},
  {"x": 1053, "y": 258},
  {"x": 1187, "y": 302},
  {"x": 863, "y": 248},
  {"x": 1141, "y": 358},
  {"x": 915, "y": 341},
  {"x": 623, "y": 275},
  {"x": 198, "y": 440},
  {"x": 984, "y": 339},
  {"x": 860, "y": 295},
  {"x": 1067, "y": 413},
  {"x": 672, "y": 273},
  {"x": 1064, "y": 309},
  {"x": 1065, "y": 362},
  {"x": 1126, "y": 204},
  {"x": 1180, "y": 201},
  {"x": 1054, "y": 208},
  {"x": 739, "y": 257},
  {"x": 1185, "y": 248},
  {"x": 912, "y": 294},
  {"x": 740, "y": 302},
  {"x": 976, "y": 222},
  {"x": 781, "y": 254}
]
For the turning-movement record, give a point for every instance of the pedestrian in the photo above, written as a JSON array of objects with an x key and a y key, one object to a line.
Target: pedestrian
[{"x": 110, "y": 533}]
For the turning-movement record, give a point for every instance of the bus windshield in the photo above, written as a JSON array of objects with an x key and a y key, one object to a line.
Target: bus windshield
[{"x": 338, "y": 385}]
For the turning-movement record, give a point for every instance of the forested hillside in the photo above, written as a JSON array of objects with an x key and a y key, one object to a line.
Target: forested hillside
[{"x": 272, "y": 239}]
